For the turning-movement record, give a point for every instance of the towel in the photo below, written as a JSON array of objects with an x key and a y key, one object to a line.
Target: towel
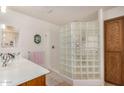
[{"x": 37, "y": 57}]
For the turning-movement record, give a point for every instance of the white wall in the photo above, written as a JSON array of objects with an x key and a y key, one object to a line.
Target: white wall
[
  {"x": 54, "y": 52},
  {"x": 27, "y": 27},
  {"x": 101, "y": 44},
  {"x": 114, "y": 12}
]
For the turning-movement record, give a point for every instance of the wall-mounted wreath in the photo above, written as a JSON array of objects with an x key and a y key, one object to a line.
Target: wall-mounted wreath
[{"x": 37, "y": 38}]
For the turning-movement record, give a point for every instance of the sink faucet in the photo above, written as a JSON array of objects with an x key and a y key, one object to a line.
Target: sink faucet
[{"x": 6, "y": 58}]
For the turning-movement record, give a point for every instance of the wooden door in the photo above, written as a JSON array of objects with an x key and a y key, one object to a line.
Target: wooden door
[
  {"x": 113, "y": 51},
  {"x": 113, "y": 68},
  {"x": 113, "y": 34}
]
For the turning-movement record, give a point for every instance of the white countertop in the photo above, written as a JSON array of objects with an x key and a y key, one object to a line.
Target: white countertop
[{"x": 20, "y": 71}]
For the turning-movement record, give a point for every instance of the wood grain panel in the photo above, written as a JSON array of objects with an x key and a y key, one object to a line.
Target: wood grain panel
[
  {"x": 114, "y": 50},
  {"x": 113, "y": 35},
  {"x": 113, "y": 68}
]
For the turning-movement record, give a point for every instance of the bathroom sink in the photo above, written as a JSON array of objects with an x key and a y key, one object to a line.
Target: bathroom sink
[{"x": 10, "y": 65}]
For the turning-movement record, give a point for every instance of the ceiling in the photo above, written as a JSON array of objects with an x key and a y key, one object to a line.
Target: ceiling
[{"x": 60, "y": 14}]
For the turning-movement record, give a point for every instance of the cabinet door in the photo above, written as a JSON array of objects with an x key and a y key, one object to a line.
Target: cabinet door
[
  {"x": 113, "y": 35},
  {"x": 40, "y": 81},
  {"x": 113, "y": 68}
]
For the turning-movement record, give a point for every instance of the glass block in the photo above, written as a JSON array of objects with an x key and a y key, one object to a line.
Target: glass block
[
  {"x": 90, "y": 69},
  {"x": 97, "y": 69},
  {"x": 90, "y": 76},
  {"x": 77, "y": 70},
  {"x": 84, "y": 70},
  {"x": 90, "y": 57},
  {"x": 84, "y": 76},
  {"x": 84, "y": 57},
  {"x": 90, "y": 63},
  {"x": 77, "y": 76},
  {"x": 70, "y": 75},
  {"x": 92, "y": 38},
  {"x": 78, "y": 63},
  {"x": 84, "y": 63},
  {"x": 96, "y": 76},
  {"x": 79, "y": 55},
  {"x": 97, "y": 63},
  {"x": 68, "y": 69}
]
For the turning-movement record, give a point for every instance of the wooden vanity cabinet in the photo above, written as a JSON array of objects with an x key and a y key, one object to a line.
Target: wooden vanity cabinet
[
  {"x": 39, "y": 81},
  {"x": 114, "y": 51}
]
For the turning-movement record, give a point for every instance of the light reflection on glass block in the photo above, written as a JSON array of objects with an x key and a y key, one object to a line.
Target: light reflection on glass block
[{"x": 80, "y": 53}]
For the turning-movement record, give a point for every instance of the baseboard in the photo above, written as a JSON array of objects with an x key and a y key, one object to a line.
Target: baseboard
[{"x": 88, "y": 83}]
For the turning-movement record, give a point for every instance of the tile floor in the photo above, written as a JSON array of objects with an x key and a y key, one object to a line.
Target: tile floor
[{"x": 52, "y": 79}]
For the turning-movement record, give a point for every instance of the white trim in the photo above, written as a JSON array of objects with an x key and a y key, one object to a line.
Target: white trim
[
  {"x": 87, "y": 83},
  {"x": 101, "y": 43}
]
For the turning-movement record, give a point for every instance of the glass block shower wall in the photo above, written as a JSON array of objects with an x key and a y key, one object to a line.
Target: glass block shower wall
[{"x": 79, "y": 53}]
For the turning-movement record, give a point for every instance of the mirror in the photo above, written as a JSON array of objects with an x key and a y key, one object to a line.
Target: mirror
[
  {"x": 9, "y": 36},
  {"x": 37, "y": 38}
]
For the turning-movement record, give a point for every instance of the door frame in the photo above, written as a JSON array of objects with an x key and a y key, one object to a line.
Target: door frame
[{"x": 104, "y": 35}]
